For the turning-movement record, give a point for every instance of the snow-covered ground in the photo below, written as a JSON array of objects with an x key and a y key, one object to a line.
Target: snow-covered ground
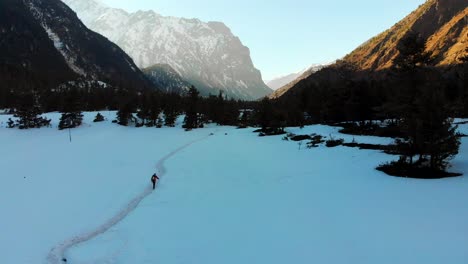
[{"x": 233, "y": 198}]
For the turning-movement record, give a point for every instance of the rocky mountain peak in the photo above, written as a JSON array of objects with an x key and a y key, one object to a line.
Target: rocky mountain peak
[
  {"x": 206, "y": 55},
  {"x": 46, "y": 40}
]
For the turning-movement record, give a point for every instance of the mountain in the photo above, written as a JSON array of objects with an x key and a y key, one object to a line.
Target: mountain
[
  {"x": 283, "y": 83},
  {"x": 44, "y": 44},
  {"x": 206, "y": 55},
  {"x": 442, "y": 24},
  {"x": 164, "y": 76}
]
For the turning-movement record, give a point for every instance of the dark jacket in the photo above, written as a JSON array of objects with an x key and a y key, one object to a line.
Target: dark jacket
[{"x": 154, "y": 178}]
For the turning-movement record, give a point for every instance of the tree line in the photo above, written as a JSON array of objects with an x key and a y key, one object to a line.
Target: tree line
[
  {"x": 415, "y": 99},
  {"x": 148, "y": 108}
]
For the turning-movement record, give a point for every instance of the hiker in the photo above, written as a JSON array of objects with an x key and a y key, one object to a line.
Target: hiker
[{"x": 154, "y": 178}]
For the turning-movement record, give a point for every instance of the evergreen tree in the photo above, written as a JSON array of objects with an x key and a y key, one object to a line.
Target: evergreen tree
[
  {"x": 412, "y": 53},
  {"x": 264, "y": 114},
  {"x": 125, "y": 115},
  {"x": 144, "y": 113},
  {"x": 28, "y": 112},
  {"x": 170, "y": 117},
  {"x": 10, "y": 123},
  {"x": 71, "y": 111},
  {"x": 191, "y": 120},
  {"x": 220, "y": 115},
  {"x": 213, "y": 107},
  {"x": 159, "y": 122},
  {"x": 154, "y": 112},
  {"x": 245, "y": 119},
  {"x": 428, "y": 130},
  {"x": 98, "y": 118},
  {"x": 171, "y": 107},
  {"x": 439, "y": 140},
  {"x": 230, "y": 115},
  {"x": 410, "y": 65},
  {"x": 126, "y": 108}
]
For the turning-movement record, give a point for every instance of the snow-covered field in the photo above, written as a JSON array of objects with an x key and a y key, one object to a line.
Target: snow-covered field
[{"x": 228, "y": 198}]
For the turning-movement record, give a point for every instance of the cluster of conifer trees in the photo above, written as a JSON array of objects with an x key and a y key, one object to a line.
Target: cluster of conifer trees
[
  {"x": 417, "y": 101},
  {"x": 138, "y": 108}
]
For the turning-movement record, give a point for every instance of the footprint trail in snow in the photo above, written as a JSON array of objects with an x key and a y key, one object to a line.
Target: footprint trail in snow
[{"x": 57, "y": 254}]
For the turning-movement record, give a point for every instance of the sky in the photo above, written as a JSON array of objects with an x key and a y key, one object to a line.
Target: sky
[{"x": 287, "y": 36}]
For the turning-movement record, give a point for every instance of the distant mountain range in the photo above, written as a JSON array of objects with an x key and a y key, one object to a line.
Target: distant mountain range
[
  {"x": 278, "y": 83},
  {"x": 43, "y": 44},
  {"x": 281, "y": 81},
  {"x": 206, "y": 55},
  {"x": 164, "y": 76},
  {"x": 442, "y": 24}
]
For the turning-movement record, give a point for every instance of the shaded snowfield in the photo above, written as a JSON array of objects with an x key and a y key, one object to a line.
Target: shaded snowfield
[
  {"x": 57, "y": 254},
  {"x": 52, "y": 190},
  {"x": 232, "y": 198}
]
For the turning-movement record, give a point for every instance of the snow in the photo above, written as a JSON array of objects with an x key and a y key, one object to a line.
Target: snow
[
  {"x": 55, "y": 38},
  {"x": 190, "y": 46},
  {"x": 281, "y": 81},
  {"x": 83, "y": 83},
  {"x": 234, "y": 198}
]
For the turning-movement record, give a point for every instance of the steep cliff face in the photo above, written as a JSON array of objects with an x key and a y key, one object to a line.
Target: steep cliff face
[
  {"x": 44, "y": 39},
  {"x": 442, "y": 23},
  {"x": 206, "y": 55}
]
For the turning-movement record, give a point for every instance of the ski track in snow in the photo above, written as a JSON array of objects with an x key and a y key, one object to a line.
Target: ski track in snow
[{"x": 57, "y": 254}]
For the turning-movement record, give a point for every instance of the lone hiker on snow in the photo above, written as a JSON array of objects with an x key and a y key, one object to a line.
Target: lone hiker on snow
[{"x": 154, "y": 178}]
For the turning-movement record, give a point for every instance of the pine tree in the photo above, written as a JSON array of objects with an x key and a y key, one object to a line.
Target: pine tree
[
  {"x": 145, "y": 111},
  {"x": 439, "y": 140},
  {"x": 170, "y": 106},
  {"x": 143, "y": 115},
  {"x": 159, "y": 122},
  {"x": 28, "y": 112},
  {"x": 412, "y": 53},
  {"x": 170, "y": 117},
  {"x": 264, "y": 114},
  {"x": 230, "y": 114},
  {"x": 98, "y": 118},
  {"x": 10, "y": 123},
  {"x": 71, "y": 111},
  {"x": 154, "y": 112},
  {"x": 126, "y": 108},
  {"x": 124, "y": 115},
  {"x": 410, "y": 64},
  {"x": 220, "y": 110},
  {"x": 426, "y": 124},
  {"x": 245, "y": 119},
  {"x": 191, "y": 120}
]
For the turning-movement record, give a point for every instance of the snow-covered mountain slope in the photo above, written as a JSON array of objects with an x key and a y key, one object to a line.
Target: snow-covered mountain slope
[
  {"x": 225, "y": 199},
  {"x": 279, "y": 82},
  {"x": 43, "y": 44},
  {"x": 206, "y": 55},
  {"x": 164, "y": 76}
]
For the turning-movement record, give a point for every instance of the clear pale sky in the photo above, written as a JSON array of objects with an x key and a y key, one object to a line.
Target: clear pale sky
[{"x": 286, "y": 36}]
